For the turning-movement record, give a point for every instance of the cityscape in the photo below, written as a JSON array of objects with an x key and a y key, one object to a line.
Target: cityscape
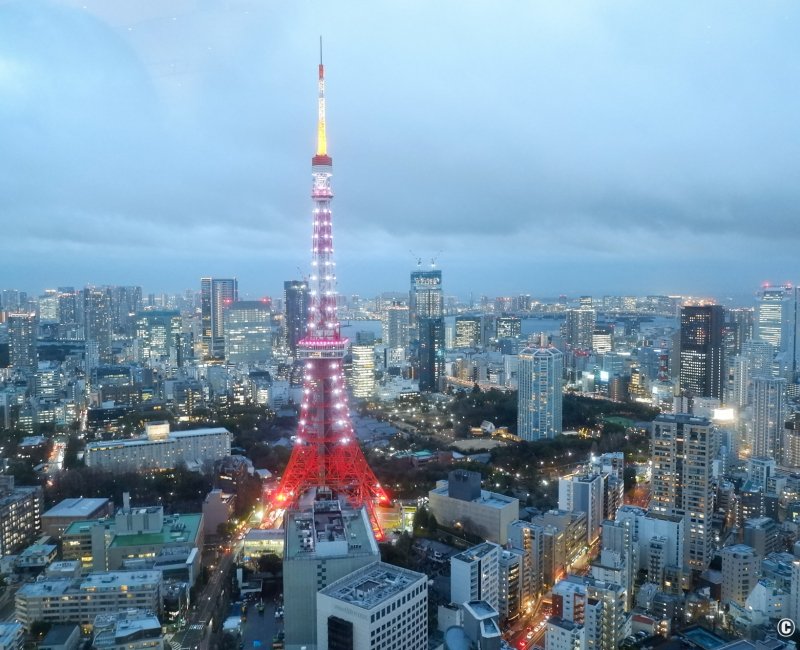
[{"x": 425, "y": 466}]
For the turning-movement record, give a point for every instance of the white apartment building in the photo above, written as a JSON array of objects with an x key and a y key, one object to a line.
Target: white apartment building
[
  {"x": 160, "y": 449},
  {"x": 564, "y": 635},
  {"x": 475, "y": 575},
  {"x": 80, "y": 601},
  {"x": 376, "y": 606}
]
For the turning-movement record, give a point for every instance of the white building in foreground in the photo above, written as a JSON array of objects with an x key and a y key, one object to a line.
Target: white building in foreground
[{"x": 377, "y": 606}]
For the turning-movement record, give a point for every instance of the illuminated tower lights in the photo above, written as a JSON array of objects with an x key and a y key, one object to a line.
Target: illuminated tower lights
[{"x": 326, "y": 453}]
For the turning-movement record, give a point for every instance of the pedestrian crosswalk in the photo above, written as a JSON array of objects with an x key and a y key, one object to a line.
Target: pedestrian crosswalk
[{"x": 175, "y": 645}]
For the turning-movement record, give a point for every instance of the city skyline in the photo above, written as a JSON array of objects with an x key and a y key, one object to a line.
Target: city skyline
[{"x": 182, "y": 125}]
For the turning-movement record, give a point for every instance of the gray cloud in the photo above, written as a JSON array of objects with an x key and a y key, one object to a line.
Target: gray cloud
[{"x": 541, "y": 147}]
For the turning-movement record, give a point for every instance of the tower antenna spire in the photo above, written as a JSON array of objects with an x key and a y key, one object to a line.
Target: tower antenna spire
[{"x": 322, "y": 139}]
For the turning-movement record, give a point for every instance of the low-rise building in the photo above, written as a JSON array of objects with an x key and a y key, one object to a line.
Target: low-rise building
[
  {"x": 459, "y": 502},
  {"x": 56, "y": 520},
  {"x": 12, "y": 636},
  {"x": 80, "y": 601},
  {"x": 61, "y": 637},
  {"x": 127, "y": 630}
]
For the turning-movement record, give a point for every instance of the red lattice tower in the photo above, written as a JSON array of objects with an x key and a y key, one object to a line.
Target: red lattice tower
[{"x": 326, "y": 453}]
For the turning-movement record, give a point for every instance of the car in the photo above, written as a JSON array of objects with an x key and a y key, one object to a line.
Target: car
[{"x": 529, "y": 635}]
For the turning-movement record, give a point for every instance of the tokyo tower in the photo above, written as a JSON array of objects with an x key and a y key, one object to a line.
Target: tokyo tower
[{"x": 326, "y": 454}]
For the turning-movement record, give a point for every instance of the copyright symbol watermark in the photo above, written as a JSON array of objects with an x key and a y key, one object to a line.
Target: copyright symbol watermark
[{"x": 786, "y": 627}]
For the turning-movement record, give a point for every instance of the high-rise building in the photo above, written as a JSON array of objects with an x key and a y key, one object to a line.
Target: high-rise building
[
  {"x": 774, "y": 316},
  {"x": 97, "y": 321},
  {"x": 683, "y": 450},
  {"x": 396, "y": 326},
  {"x": 326, "y": 457},
  {"x": 701, "y": 351},
  {"x": 248, "y": 332},
  {"x": 769, "y": 415},
  {"x": 475, "y": 575},
  {"x": 511, "y": 581},
  {"x": 579, "y": 327},
  {"x": 22, "y": 341},
  {"x": 216, "y": 294},
  {"x": 431, "y": 354},
  {"x": 375, "y": 607},
  {"x": 425, "y": 298},
  {"x": 584, "y": 493},
  {"x": 540, "y": 395},
  {"x": 160, "y": 335},
  {"x": 508, "y": 327},
  {"x": 295, "y": 312},
  {"x": 362, "y": 377},
  {"x": 468, "y": 332}
]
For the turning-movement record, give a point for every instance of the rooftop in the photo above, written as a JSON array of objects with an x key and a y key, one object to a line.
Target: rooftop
[
  {"x": 372, "y": 585},
  {"x": 328, "y": 530},
  {"x": 178, "y": 529},
  {"x": 476, "y": 552},
  {"x": 488, "y": 499},
  {"x": 80, "y": 507}
]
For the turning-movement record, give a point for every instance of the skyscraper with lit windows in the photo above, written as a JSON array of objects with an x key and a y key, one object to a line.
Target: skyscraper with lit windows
[
  {"x": 701, "y": 351},
  {"x": 540, "y": 397}
]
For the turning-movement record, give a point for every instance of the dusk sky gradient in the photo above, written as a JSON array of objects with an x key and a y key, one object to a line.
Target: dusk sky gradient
[{"x": 543, "y": 147}]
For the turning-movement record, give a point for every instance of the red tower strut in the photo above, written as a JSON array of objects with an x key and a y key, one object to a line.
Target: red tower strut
[{"x": 326, "y": 453}]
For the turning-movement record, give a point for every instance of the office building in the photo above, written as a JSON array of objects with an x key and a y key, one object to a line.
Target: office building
[
  {"x": 508, "y": 327},
  {"x": 159, "y": 335},
  {"x": 160, "y": 449},
  {"x": 459, "y": 502},
  {"x": 248, "y": 332},
  {"x": 22, "y": 341},
  {"x": 362, "y": 374},
  {"x": 60, "y": 600},
  {"x": 475, "y": 575},
  {"x": 740, "y": 571},
  {"x": 603, "y": 338},
  {"x": 468, "y": 332},
  {"x": 431, "y": 354},
  {"x": 763, "y": 535},
  {"x": 774, "y": 316},
  {"x": 216, "y": 294},
  {"x": 377, "y": 606},
  {"x": 583, "y": 494},
  {"x": 684, "y": 448},
  {"x": 321, "y": 546},
  {"x": 426, "y": 300},
  {"x": 701, "y": 371},
  {"x": 540, "y": 398},
  {"x": 20, "y": 515},
  {"x": 769, "y": 416},
  {"x": 295, "y": 312}
]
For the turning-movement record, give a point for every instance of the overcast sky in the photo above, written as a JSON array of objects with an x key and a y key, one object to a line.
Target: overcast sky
[{"x": 538, "y": 147}]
